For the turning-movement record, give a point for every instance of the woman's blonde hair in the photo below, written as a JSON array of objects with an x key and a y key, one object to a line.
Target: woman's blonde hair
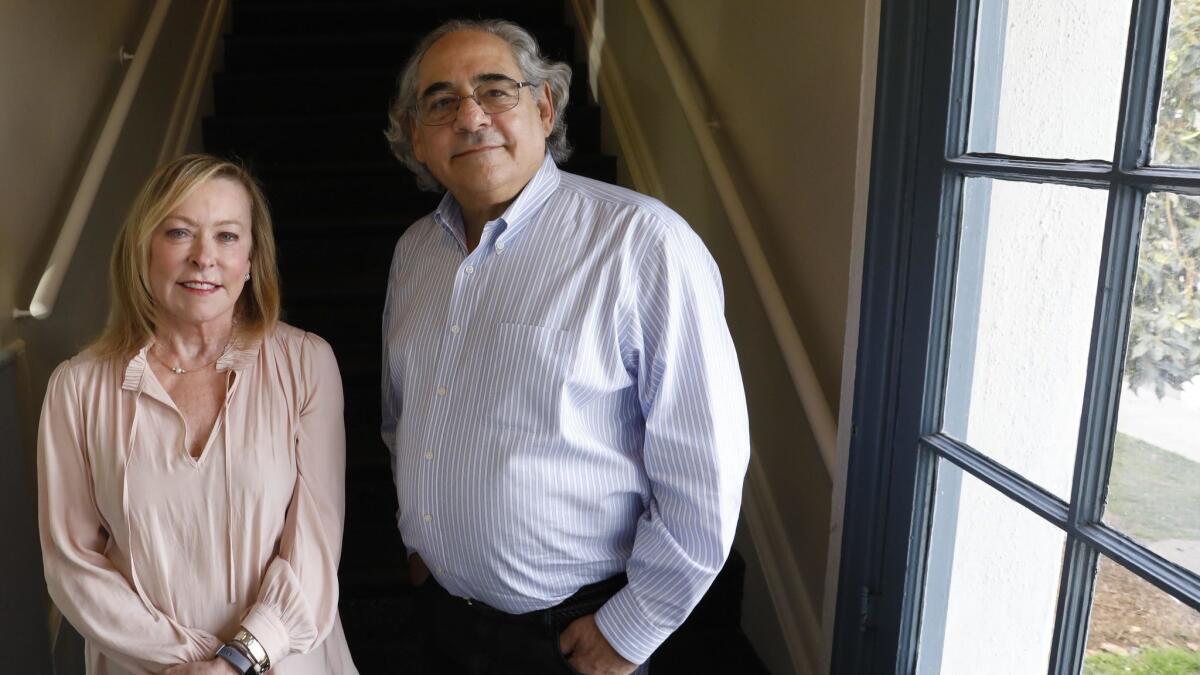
[{"x": 133, "y": 316}]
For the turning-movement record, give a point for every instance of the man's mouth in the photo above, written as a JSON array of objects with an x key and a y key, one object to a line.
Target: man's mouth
[{"x": 476, "y": 150}]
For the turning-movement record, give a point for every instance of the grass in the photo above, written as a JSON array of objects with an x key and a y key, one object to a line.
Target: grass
[
  {"x": 1164, "y": 661},
  {"x": 1153, "y": 494}
]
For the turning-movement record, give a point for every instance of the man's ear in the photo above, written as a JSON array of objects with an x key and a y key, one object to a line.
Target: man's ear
[
  {"x": 545, "y": 104},
  {"x": 414, "y": 139}
]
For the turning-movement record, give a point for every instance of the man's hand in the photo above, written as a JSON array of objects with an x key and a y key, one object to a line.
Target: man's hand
[
  {"x": 588, "y": 651},
  {"x": 213, "y": 666},
  {"x": 418, "y": 571}
]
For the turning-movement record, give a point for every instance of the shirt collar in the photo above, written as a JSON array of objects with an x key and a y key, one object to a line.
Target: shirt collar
[{"x": 522, "y": 209}]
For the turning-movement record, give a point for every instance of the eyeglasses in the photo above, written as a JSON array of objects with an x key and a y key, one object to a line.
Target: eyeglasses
[{"x": 493, "y": 96}]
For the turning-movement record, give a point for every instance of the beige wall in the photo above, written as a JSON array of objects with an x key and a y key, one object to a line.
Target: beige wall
[
  {"x": 784, "y": 81},
  {"x": 59, "y": 74}
]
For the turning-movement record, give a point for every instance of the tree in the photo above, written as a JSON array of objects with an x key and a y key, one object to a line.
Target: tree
[{"x": 1164, "y": 333}]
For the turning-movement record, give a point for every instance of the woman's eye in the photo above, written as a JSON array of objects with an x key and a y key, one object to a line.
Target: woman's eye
[
  {"x": 228, "y": 237},
  {"x": 177, "y": 233}
]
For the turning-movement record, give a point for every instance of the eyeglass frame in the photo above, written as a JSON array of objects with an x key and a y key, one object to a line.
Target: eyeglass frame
[{"x": 461, "y": 98}]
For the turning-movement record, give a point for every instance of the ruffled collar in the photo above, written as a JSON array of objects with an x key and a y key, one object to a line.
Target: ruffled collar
[{"x": 241, "y": 355}]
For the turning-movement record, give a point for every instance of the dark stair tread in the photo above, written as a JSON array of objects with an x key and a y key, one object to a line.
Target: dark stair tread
[
  {"x": 303, "y": 100},
  {"x": 380, "y": 48},
  {"x": 323, "y": 16},
  {"x": 340, "y": 90}
]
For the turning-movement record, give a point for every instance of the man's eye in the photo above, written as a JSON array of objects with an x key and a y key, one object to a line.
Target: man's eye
[{"x": 442, "y": 102}]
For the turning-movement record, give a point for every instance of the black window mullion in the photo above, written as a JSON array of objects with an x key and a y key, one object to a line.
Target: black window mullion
[
  {"x": 1172, "y": 579},
  {"x": 1093, "y": 457},
  {"x": 1106, "y": 360},
  {"x": 1001, "y": 478}
]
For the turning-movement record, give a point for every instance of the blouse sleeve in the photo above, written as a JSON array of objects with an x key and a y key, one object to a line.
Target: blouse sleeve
[
  {"x": 98, "y": 600},
  {"x": 297, "y": 602}
]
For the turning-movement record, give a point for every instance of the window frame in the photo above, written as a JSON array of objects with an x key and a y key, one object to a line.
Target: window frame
[{"x": 919, "y": 165}]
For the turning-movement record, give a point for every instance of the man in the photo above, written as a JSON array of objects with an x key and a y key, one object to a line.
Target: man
[{"x": 561, "y": 396}]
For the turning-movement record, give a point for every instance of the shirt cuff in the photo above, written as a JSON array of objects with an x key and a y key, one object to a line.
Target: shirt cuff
[
  {"x": 265, "y": 625},
  {"x": 632, "y": 632}
]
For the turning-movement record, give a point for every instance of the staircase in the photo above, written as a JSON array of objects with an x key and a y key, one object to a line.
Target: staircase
[{"x": 302, "y": 100}]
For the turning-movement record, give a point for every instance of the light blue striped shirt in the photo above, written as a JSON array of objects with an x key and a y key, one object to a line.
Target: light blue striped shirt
[{"x": 564, "y": 403}]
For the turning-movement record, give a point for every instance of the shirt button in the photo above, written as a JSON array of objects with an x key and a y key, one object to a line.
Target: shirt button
[
  {"x": 427, "y": 518},
  {"x": 441, "y": 391},
  {"x": 499, "y": 247},
  {"x": 428, "y": 455},
  {"x": 440, "y": 571},
  {"x": 454, "y": 329},
  {"x": 470, "y": 269}
]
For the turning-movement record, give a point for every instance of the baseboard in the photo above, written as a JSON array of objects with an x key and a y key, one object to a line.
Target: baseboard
[
  {"x": 794, "y": 609},
  {"x": 195, "y": 78}
]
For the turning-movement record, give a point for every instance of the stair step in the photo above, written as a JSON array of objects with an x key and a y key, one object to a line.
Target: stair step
[
  {"x": 251, "y": 18},
  {"x": 386, "y": 47},
  {"x": 303, "y": 101},
  {"x": 343, "y": 137},
  {"x": 320, "y": 91}
]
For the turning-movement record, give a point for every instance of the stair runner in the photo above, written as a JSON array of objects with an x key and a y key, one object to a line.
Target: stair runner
[{"x": 302, "y": 100}]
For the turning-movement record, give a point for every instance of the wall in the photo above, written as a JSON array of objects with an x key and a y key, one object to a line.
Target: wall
[
  {"x": 59, "y": 79},
  {"x": 60, "y": 75},
  {"x": 1019, "y": 351},
  {"x": 784, "y": 85}
]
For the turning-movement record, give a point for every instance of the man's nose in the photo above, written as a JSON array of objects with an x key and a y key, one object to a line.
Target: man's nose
[{"x": 470, "y": 115}]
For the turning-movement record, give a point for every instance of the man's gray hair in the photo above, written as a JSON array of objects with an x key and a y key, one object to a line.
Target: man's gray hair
[{"x": 535, "y": 68}]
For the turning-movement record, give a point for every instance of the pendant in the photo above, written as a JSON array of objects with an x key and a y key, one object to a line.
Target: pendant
[{"x": 177, "y": 371}]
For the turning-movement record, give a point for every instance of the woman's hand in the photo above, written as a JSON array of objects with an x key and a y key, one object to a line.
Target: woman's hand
[{"x": 213, "y": 666}]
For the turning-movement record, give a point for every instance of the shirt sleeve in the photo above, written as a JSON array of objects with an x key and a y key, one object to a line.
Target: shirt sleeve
[
  {"x": 390, "y": 388},
  {"x": 297, "y": 603},
  {"x": 696, "y": 444},
  {"x": 96, "y": 597}
]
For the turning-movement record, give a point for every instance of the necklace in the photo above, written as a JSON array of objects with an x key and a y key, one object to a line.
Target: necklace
[{"x": 182, "y": 371}]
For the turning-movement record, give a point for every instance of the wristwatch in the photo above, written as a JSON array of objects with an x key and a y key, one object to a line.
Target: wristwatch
[{"x": 238, "y": 660}]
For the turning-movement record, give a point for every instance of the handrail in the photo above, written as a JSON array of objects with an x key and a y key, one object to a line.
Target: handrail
[
  {"x": 692, "y": 100},
  {"x": 51, "y": 280}
]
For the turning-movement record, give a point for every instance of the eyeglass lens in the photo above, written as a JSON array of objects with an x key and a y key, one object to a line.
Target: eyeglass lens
[{"x": 493, "y": 97}]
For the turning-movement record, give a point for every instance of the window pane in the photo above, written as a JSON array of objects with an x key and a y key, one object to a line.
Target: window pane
[
  {"x": 1177, "y": 137},
  {"x": 1048, "y": 77},
  {"x": 1137, "y": 628},
  {"x": 1154, "y": 485},
  {"x": 992, "y": 582},
  {"x": 1029, "y": 259}
]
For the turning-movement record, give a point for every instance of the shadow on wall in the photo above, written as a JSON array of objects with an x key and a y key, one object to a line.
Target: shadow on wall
[{"x": 24, "y": 614}]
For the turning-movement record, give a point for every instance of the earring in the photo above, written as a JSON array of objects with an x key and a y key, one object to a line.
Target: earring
[{"x": 247, "y": 277}]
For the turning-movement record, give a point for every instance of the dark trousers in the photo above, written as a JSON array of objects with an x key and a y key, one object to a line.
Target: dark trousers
[{"x": 474, "y": 639}]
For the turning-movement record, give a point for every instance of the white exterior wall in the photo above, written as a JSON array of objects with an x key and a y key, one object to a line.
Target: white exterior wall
[{"x": 1059, "y": 98}]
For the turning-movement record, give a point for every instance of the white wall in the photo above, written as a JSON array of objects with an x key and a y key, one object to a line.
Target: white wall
[{"x": 1036, "y": 305}]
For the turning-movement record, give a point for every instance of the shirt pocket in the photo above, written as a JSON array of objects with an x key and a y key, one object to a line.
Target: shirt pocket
[{"x": 525, "y": 373}]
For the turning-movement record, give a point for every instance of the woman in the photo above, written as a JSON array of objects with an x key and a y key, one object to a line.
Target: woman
[{"x": 191, "y": 461}]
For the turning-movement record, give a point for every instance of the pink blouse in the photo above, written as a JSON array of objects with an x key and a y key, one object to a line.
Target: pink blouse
[{"x": 157, "y": 557}]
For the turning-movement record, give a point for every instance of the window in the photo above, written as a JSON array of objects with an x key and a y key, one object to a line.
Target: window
[{"x": 1023, "y": 492}]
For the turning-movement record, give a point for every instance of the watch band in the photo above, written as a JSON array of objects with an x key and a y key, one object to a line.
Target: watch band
[{"x": 238, "y": 660}]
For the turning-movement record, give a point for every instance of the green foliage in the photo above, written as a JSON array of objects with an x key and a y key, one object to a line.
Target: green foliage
[
  {"x": 1164, "y": 338},
  {"x": 1166, "y": 661}
]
